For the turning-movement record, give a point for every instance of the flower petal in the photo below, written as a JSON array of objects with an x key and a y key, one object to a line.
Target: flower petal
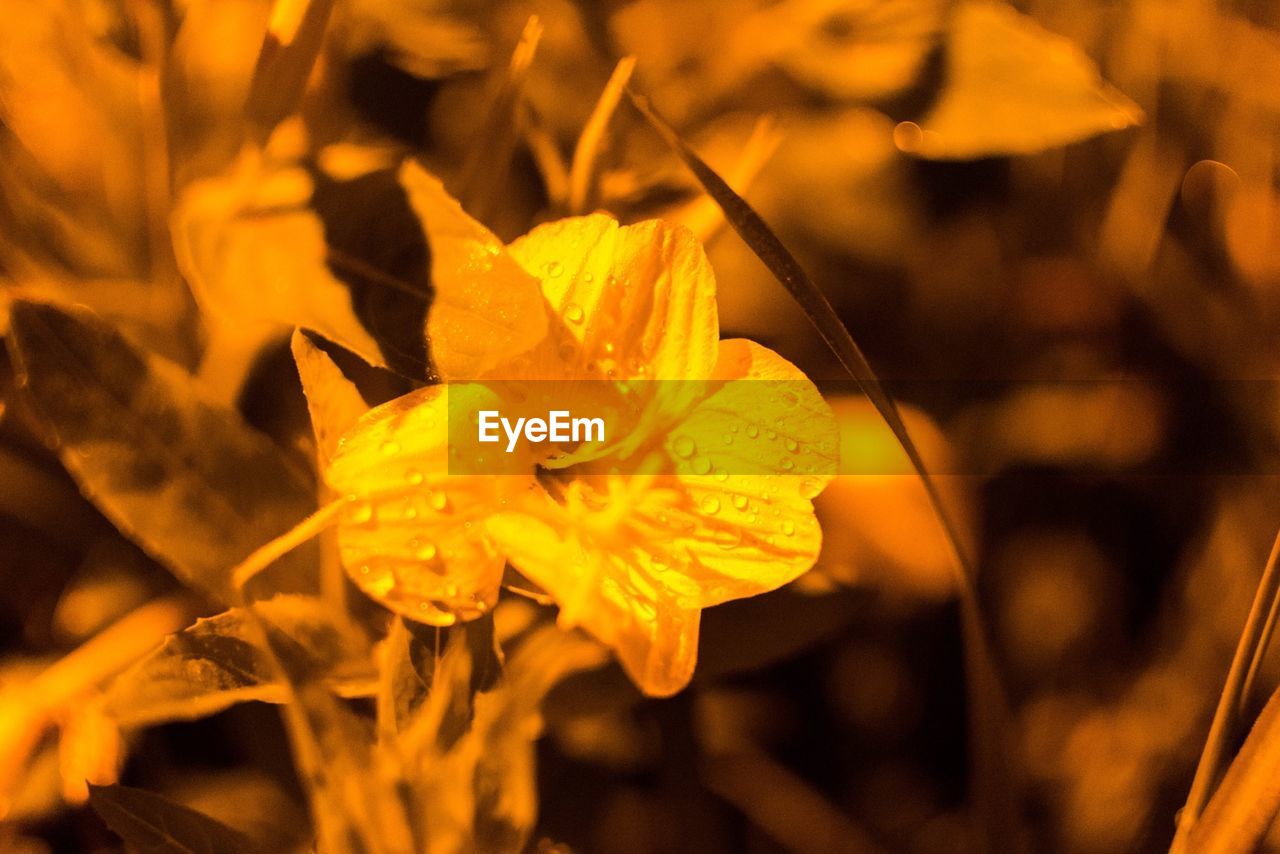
[
  {"x": 413, "y": 534},
  {"x": 749, "y": 459},
  {"x": 654, "y": 636},
  {"x": 635, "y": 301},
  {"x": 486, "y": 308}
]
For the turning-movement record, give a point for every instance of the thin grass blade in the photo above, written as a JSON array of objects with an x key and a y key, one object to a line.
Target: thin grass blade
[{"x": 994, "y": 787}]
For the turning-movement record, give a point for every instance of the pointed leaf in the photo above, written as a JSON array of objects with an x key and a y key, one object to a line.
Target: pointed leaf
[
  {"x": 189, "y": 482},
  {"x": 1012, "y": 87},
  {"x": 217, "y": 663},
  {"x": 151, "y": 824}
]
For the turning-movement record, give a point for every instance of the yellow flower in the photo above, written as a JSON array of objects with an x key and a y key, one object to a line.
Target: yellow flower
[{"x": 701, "y": 493}]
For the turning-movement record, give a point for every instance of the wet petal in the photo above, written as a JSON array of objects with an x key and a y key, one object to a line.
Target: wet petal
[
  {"x": 653, "y": 633},
  {"x": 749, "y": 459},
  {"x": 485, "y": 308},
  {"x": 635, "y": 301},
  {"x": 412, "y": 536}
]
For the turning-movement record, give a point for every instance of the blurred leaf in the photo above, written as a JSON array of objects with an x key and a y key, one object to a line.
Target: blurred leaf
[
  {"x": 879, "y": 528},
  {"x": 71, "y": 118},
  {"x": 251, "y": 801},
  {"x": 480, "y": 184},
  {"x": 408, "y": 664},
  {"x": 433, "y": 690},
  {"x": 1012, "y": 88},
  {"x": 89, "y": 750},
  {"x": 191, "y": 483},
  {"x": 217, "y": 663},
  {"x": 837, "y": 179},
  {"x": 496, "y": 753},
  {"x": 427, "y": 38},
  {"x": 355, "y": 793},
  {"x": 295, "y": 33},
  {"x": 256, "y": 252},
  {"x": 151, "y": 824},
  {"x": 855, "y": 49},
  {"x": 692, "y": 54}
]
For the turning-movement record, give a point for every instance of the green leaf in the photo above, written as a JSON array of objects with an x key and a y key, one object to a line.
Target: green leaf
[
  {"x": 151, "y": 824},
  {"x": 217, "y": 663},
  {"x": 1013, "y": 87},
  {"x": 189, "y": 482}
]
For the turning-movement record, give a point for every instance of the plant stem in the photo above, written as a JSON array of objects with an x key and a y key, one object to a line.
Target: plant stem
[{"x": 285, "y": 543}]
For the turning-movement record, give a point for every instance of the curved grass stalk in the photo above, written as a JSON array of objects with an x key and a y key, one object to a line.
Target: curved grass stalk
[
  {"x": 587, "y": 150},
  {"x": 269, "y": 553},
  {"x": 1244, "y": 664},
  {"x": 994, "y": 790},
  {"x": 1240, "y": 813}
]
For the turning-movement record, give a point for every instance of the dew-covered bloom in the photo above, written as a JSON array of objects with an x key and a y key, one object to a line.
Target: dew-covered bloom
[{"x": 700, "y": 492}]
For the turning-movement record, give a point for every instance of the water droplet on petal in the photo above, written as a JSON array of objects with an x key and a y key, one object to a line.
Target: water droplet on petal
[
  {"x": 710, "y": 505},
  {"x": 554, "y": 268},
  {"x": 753, "y": 431},
  {"x": 728, "y": 538},
  {"x": 701, "y": 465},
  {"x": 771, "y": 435},
  {"x": 438, "y": 501},
  {"x": 684, "y": 447},
  {"x": 787, "y": 465},
  {"x": 362, "y": 513},
  {"x": 793, "y": 445},
  {"x": 727, "y": 438},
  {"x": 739, "y": 502},
  {"x": 427, "y": 552},
  {"x": 789, "y": 527},
  {"x": 588, "y": 277},
  {"x": 721, "y": 475},
  {"x": 390, "y": 447},
  {"x": 574, "y": 313},
  {"x": 810, "y": 487},
  {"x": 414, "y": 477}
]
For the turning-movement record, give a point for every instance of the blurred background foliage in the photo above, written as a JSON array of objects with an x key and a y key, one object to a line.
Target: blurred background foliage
[{"x": 1069, "y": 284}]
